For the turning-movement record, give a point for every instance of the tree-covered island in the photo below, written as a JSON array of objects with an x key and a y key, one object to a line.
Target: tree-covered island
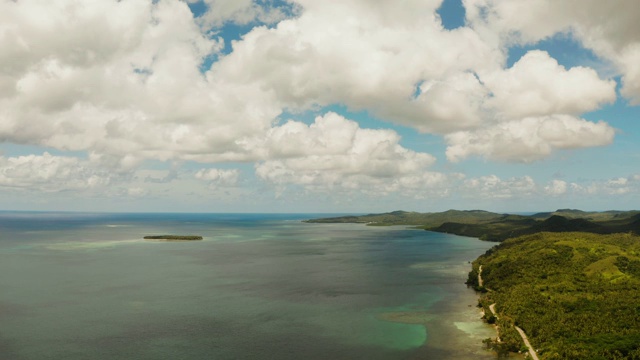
[{"x": 173, "y": 237}]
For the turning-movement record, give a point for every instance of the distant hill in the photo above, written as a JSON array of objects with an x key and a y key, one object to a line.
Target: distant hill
[
  {"x": 589, "y": 215},
  {"x": 498, "y": 227},
  {"x": 557, "y": 223}
]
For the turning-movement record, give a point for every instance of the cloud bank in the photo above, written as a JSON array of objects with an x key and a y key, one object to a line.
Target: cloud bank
[{"x": 128, "y": 82}]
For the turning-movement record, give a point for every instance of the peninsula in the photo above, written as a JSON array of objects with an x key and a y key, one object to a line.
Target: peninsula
[{"x": 498, "y": 227}]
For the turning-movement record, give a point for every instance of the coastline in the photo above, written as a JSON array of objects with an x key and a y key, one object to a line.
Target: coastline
[
  {"x": 494, "y": 316},
  {"x": 455, "y": 327}
]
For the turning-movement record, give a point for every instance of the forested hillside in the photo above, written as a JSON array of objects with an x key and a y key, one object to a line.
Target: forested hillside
[{"x": 576, "y": 295}]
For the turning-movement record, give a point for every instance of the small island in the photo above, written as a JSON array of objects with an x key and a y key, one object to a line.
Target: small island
[{"x": 173, "y": 238}]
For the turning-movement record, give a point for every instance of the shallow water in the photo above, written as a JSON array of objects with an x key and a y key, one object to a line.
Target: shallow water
[{"x": 258, "y": 287}]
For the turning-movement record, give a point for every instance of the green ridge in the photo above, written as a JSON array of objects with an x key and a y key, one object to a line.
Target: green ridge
[{"x": 576, "y": 295}]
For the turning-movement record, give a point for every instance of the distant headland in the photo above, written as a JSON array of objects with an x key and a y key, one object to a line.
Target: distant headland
[
  {"x": 491, "y": 226},
  {"x": 173, "y": 238}
]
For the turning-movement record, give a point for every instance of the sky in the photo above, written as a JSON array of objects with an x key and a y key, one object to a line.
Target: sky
[{"x": 336, "y": 106}]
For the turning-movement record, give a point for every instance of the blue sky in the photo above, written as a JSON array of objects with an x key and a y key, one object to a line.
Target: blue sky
[{"x": 306, "y": 106}]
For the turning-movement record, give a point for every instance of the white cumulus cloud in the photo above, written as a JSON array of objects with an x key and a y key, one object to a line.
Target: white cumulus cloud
[
  {"x": 492, "y": 186},
  {"x": 609, "y": 28},
  {"x": 334, "y": 152},
  {"x": 528, "y": 139},
  {"x": 366, "y": 57},
  {"x": 537, "y": 85},
  {"x": 50, "y": 173},
  {"x": 125, "y": 83},
  {"x": 129, "y": 86},
  {"x": 556, "y": 187}
]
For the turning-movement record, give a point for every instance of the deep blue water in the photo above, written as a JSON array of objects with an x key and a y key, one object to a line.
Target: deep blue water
[{"x": 86, "y": 286}]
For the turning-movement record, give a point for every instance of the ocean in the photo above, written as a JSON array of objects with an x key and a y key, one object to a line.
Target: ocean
[{"x": 259, "y": 286}]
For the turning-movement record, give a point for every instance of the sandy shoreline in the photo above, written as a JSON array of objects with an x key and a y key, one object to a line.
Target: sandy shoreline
[{"x": 453, "y": 324}]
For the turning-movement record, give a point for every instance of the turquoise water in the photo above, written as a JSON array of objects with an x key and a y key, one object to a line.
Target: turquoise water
[{"x": 87, "y": 286}]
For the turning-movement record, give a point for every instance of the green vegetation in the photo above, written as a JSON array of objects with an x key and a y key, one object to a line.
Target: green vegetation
[
  {"x": 414, "y": 218},
  {"x": 173, "y": 237},
  {"x": 575, "y": 294},
  {"x": 611, "y": 215},
  {"x": 498, "y": 227}
]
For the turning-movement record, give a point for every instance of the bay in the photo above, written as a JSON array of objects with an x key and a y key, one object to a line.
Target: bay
[{"x": 259, "y": 286}]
